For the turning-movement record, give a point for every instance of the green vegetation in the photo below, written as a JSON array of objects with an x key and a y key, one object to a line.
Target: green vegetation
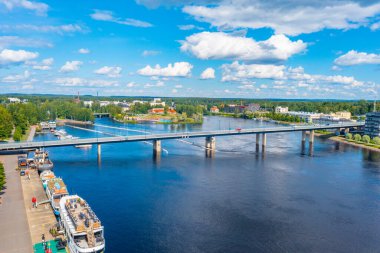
[
  {"x": 363, "y": 140},
  {"x": 17, "y": 135},
  {"x": 376, "y": 141},
  {"x": 366, "y": 139},
  {"x": 357, "y": 137},
  {"x": 6, "y": 125},
  {"x": 2, "y": 177},
  {"x": 349, "y": 136}
]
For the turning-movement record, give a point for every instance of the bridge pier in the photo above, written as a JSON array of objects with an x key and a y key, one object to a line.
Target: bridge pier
[
  {"x": 257, "y": 143},
  {"x": 264, "y": 141},
  {"x": 157, "y": 148},
  {"x": 311, "y": 142},
  {"x": 210, "y": 146},
  {"x": 99, "y": 150}
]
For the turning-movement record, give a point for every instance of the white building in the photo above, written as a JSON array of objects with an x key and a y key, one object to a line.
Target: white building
[
  {"x": 104, "y": 103},
  {"x": 88, "y": 103},
  {"x": 157, "y": 102},
  {"x": 14, "y": 100},
  {"x": 280, "y": 109},
  {"x": 138, "y": 102}
]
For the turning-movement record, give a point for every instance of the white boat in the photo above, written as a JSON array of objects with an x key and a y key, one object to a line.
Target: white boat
[
  {"x": 83, "y": 230},
  {"x": 55, "y": 190},
  {"x": 60, "y": 132},
  {"x": 45, "y": 176},
  {"x": 42, "y": 161},
  {"x": 84, "y": 146}
]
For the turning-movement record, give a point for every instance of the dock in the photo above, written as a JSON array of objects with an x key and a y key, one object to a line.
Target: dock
[{"x": 40, "y": 219}]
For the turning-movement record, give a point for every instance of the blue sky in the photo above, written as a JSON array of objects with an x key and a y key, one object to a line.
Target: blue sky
[{"x": 213, "y": 48}]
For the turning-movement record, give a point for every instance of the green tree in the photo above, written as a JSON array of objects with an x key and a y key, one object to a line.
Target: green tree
[
  {"x": 366, "y": 139},
  {"x": 17, "y": 135},
  {"x": 357, "y": 137},
  {"x": 349, "y": 136},
  {"x": 6, "y": 125},
  {"x": 376, "y": 140},
  {"x": 2, "y": 177}
]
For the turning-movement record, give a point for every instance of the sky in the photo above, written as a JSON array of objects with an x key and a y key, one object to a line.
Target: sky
[{"x": 300, "y": 49}]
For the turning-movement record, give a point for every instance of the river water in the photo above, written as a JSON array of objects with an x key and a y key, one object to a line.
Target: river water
[{"x": 238, "y": 201}]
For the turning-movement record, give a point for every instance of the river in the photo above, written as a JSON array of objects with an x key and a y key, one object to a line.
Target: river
[{"x": 238, "y": 201}]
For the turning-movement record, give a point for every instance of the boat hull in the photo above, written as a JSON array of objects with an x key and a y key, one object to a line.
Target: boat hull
[{"x": 45, "y": 166}]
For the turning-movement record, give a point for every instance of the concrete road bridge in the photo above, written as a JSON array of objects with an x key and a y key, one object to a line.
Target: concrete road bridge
[{"x": 210, "y": 144}]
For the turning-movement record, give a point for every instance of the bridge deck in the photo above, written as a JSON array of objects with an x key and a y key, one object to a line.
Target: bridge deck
[{"x": 166, "y": 136}]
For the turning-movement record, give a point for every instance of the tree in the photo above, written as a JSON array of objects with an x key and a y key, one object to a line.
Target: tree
[
  {"x": 6, "y": 125},
  {"x": 2, "y": 177},
  {"x": 17, "y": 135},
  {"x": 366, "y": 139},
  {"x": 349, "y": 136},
  {"x": 376, "y": 140},
  {"x": 357, "y": 137}
]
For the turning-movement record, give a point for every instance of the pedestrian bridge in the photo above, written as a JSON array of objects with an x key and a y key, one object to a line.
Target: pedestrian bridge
[{"x": 156, "y": 138}]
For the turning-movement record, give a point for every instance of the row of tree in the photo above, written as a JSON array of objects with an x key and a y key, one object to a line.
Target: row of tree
[
  {"x": 2, "y": 177},
  {"x": 364, "y": 138}
]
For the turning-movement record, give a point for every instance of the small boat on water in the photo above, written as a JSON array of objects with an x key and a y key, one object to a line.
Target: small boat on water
[
  {"x": 45, "y": 176},
  {"x": 55, "y": 190},
  {"x": 84, "y": 146},
  {"x": 83, "y": 229},
  {"x": 60, "y": 132},
  {"x": 42, "y": 161}
]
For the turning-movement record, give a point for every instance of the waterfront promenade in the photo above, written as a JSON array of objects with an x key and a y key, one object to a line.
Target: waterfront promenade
[
  {"x": 14, "y": 235},
  {"x": 42, "y": 218}
]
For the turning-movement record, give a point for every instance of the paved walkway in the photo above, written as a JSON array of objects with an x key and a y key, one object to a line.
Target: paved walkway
[
  {"x": 42, "y": 218},
  {"x": 31, "y": 133},
  {"x": 14, "y": 228}
]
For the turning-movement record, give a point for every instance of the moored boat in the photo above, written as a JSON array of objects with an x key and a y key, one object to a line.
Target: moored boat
[
  {"x": 42, "y": 160},
  {"x": 55, "y": 190},
  {"x": 45, "y": 176},
  {"x": 83, "y": 229},
  {"x": 84, "y": 146}
]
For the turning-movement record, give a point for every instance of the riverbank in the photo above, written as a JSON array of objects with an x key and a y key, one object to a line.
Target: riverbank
[
  {"x": 15, "y": 236},
  {"x": 342, "y": 139},
  {"x": 62, "y": 122}
]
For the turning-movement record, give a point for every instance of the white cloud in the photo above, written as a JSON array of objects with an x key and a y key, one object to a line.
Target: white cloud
[
  {"x": 189, "y": 27},
  {"x": 132, "y": 84},
  {"x": 84, "y": 51},
  {"x": 239, "y": 72},
  {"x": 174, "y": 91},
  {"x": 157, "y": 84},
  {"x": 16, "y": 78},
  {"x": 103, "y": 15},
  {"x": 82, "y": 82},
  {"x": 45, "y": 64},
  {"x": 375, "y": 26},
  {"x": 15, "y": 41},
  {"x": 146, "y": 53},
  {"x": 61, "y": 29},
  {"x": 38, "y": 7},
  {"x": 208, "y": 73},
  {"x": 109, "y": 71},
  {"x": 355, "y": 58},
  {"x": 8, "y": 56},
  {"x": 292, "y": 18},
  {"x": 71, "y": 66},
  {"x": 219, "y": 45},
  {"x": 178, "y": 86},
  {"x": 178, "y": 69}
]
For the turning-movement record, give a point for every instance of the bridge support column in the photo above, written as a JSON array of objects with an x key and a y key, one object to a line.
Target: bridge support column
[
  {"x": 257, "y": 143},
  {"x": 303, "y": 142},
  {"x": 210, "y": 146},
  {"x": 157, "y": 148},
  {"x": 264, "y": 141},
  {"x": 311, "y": 142},
  {"x": 99, "y": 150}
]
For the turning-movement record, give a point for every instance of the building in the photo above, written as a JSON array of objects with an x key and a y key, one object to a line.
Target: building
[
  {"x": 306, "y": 116},
  {"x": 280, "y": 109},
  {"x": 235, "y": 108},
  {"x": 372, "y": 124},
  {"x": 214, "y": 109},
  {"x": 139, "y": 102},
  {"x": 157, "y": 102},
  {"x": 104, "y": 103},
  {"x": 253, "y": 107},
  {"x": 157, "y": 111},
  {"x": 171, "y": 110},
  {"x": 342, "y": 115},
  {"x": 14, "y": 100},
  {"x": 88, "y": 103}
]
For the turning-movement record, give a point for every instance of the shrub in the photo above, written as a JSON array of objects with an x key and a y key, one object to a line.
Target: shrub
[
  {"x": 357, "y": 137},
  {"x": 366, "y": 139},
  {"x": 2, "y": 176},
  {"x": 376, "y": 140},
  {"x": 349, "y": 136}
]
